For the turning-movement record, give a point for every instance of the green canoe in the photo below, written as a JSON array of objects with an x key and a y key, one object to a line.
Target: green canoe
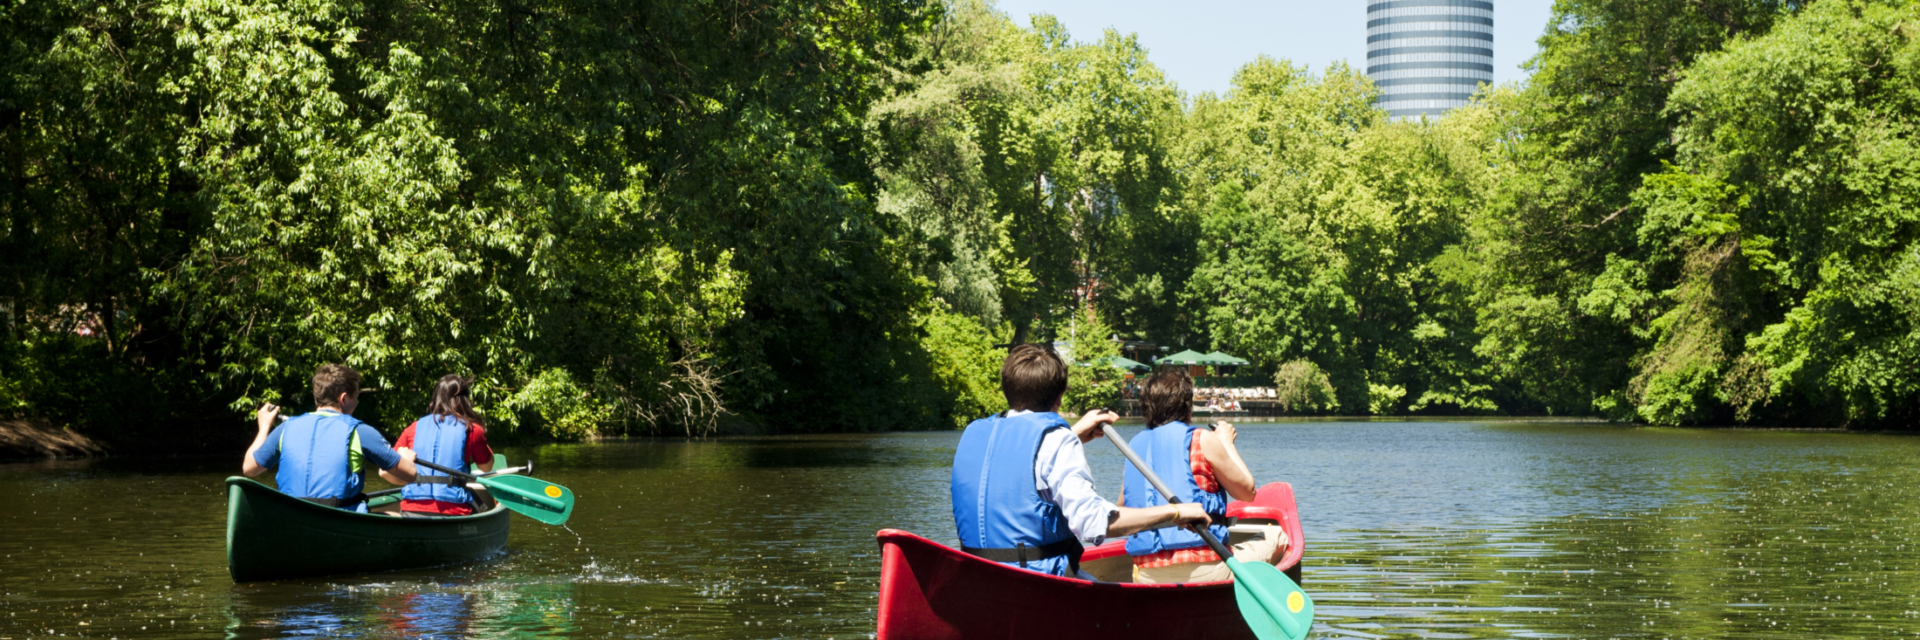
[{"x": 271, "y": 536}]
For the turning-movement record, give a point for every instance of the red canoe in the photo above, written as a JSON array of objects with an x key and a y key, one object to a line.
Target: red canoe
[{"x": 931, "y": 591}]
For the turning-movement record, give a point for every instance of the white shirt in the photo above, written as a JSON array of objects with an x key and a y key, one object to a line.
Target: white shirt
[{"x": 1061, "y": 475}]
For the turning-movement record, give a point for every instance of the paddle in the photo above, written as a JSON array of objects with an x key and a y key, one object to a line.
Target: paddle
[
  {"x": 1274, "y": 607},
  {"x": 530, "y": 497},
  {"x": 498, "y": 461}
]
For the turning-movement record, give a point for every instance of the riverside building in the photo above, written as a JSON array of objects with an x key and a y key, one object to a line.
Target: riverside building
[{"x": 1428, "y": 56}]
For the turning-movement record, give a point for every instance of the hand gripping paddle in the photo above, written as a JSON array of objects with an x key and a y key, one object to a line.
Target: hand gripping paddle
[{"x": 1274, "y": 607}]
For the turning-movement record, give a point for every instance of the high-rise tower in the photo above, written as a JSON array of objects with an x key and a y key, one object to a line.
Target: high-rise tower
[{"x": 1428, "y": 56}]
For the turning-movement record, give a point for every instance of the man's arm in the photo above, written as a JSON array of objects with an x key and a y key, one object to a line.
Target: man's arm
[
  {"x": 1128, "y": 520},
  {"x": 402, "y": 472},
  {"x": 395, "y": 466},
  {"x": 249, "y": 466},
  {"x": 1092, "y": 424},
  {"x": 1068, "y": 483}
]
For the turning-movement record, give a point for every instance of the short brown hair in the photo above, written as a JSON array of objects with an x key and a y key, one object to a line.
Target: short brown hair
[
  {"x": 1168, "y": 396},
  {"x": 1033, "y": 378},
  {"x": 331, "y": 380}
]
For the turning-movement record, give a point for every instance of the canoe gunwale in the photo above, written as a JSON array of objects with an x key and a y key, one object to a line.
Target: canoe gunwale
[{"x": 256, "y": 488}]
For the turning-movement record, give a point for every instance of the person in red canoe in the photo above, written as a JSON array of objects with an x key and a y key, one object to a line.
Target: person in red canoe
[
  {"x": 1204, "y": 469},
  {"x": 449, "y": 436},
  {"x": 1022, "y": 492}
]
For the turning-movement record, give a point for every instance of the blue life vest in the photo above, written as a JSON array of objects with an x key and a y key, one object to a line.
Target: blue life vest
[
  {"x": 996, "y": 508},
  {"x": 441, "y": 440},
  {"x": 320, "y": 456},
  {"x": 1168, "y": 449}
]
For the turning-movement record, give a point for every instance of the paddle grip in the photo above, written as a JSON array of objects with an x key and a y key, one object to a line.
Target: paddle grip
[
  {"x": 544, "y": 501},
  {"x": 1127, "y": 450}
]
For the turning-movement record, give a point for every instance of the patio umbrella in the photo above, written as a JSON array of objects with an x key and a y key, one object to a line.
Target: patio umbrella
[
  {"x": 1188, "y": 357},
  {"x": 1124, "y": 363},
  {"x": 1224, "y": 359}
]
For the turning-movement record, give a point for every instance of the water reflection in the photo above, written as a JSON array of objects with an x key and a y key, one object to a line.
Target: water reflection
[
  {"x": 480, "y": 602},
  {"x": 1415, "y": 530},
  {"x": 428, "y": 614}
]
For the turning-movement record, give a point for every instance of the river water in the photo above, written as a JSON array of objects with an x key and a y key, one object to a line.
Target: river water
[{"x": 1414, "y": 530}]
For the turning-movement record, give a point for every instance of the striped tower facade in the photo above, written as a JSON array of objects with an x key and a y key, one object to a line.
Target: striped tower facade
[{"x": 1428, "y": 56}]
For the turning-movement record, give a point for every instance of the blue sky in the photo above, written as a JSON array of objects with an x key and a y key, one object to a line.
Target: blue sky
[{"x": 1200, "y": 43}]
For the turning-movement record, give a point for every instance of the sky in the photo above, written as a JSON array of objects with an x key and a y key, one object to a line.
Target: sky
[{"x": 1199, "y": 44}]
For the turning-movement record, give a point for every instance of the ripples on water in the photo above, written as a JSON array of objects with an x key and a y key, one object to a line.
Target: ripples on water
[{"x": 1414, "y": 530}]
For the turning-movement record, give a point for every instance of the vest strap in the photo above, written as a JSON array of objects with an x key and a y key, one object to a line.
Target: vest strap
[
  {"x": 446, "y": 480},
  {"x": 339, "y": 503},
  {"x": 1024, "y": 554}
]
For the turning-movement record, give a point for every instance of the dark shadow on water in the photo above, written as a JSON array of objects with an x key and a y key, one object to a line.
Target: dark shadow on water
[{"x": 796, "y": 452}]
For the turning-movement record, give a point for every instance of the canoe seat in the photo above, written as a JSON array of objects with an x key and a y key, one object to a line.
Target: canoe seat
[{"x": 1254, "y": 514}]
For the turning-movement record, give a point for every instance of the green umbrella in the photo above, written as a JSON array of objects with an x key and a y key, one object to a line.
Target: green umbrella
[
  {"x": 1224, "y": 359},
  {"x": 1124, "y": 363},
  {"x": 1188, "y": 357}
]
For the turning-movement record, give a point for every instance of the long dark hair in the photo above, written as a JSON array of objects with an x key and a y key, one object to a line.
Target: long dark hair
[
  {"x": 450, "y": 399},
  {"x": 1168, "y": 396}
]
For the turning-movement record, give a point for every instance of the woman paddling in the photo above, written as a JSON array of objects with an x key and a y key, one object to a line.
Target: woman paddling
[
  {"x": 450, "y": 436},
  {"x": 1202, "y": 467}
]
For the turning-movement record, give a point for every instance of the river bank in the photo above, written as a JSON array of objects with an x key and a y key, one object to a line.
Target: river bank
[{"x": 26, "y": 440}]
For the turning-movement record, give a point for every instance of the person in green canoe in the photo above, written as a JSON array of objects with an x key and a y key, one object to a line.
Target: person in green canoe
[
  {"x": 449, "y": 435},
  {"x": 321, "y": 457}
]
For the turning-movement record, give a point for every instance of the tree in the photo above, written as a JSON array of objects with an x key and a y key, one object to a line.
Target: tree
[
  {"x": 1780, "y": 246},
  {"x": 1590, "y": 123},
  {"x": 599, "y": 209}
]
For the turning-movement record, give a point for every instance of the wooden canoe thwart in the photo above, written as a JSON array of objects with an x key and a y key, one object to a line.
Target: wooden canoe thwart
[
  {"x": 929, "y": 591},
  {"x": 273, "y": 536}
]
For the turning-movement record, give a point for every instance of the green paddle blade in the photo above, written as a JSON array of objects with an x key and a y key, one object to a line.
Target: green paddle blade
[
  {"x": 532, "y": 497},
  {"x": 1274, "y": 607}
]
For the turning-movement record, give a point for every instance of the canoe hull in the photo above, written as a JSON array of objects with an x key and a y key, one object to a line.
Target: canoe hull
[
  {"x": 273, "y": 536},
  {"x": 929, "y": 591}
]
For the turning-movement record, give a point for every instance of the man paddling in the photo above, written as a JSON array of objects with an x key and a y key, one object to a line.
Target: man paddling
[
  {"x": 321, "y": 457},
  {"x": 1022, "y": 492}
]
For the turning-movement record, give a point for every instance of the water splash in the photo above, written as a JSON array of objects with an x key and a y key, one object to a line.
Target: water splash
[{"x": 580, "y": 543}]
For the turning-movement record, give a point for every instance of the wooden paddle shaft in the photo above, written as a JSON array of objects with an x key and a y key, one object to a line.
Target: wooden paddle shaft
[{"x": 1161, "y": 487}]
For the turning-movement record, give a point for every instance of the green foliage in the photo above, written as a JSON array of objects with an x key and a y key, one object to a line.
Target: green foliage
[
  {"x": 1327, "y": 232},
  {"x": 648, "y": 218},
  {"x": 1384, "y": 399},
  {"x": 964, "y": 363},
  {"x": 1026, "y": 165},
  {"x": 554, "y": 400},
  {"x": 1568, "y": 291},
  {"x": 1300, "y": 386},
  {"x": 1092, "y": 383},
  {"x": 1792, "y": 215},
  {"x": 658, "y": 198}
]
